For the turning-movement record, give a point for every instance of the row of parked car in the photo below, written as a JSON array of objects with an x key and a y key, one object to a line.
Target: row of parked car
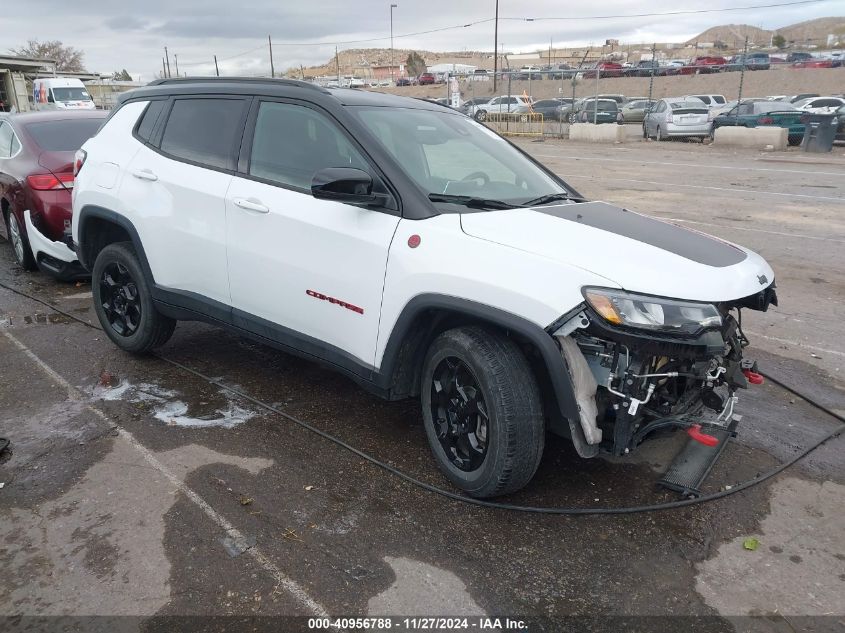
[
  {"x": 701, "y": 64},
  {"x": 688, "y": 115}
]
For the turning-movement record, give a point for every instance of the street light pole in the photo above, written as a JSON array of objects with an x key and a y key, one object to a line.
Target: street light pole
[
  {"x": 392, "y": 6},
  {"x": 496, "y": 47}
]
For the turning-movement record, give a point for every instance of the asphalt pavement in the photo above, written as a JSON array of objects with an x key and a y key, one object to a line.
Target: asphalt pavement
[{"x": 137, "y": 488}]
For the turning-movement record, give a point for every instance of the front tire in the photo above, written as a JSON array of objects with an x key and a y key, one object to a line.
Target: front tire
[
  {"x": 19, "y": 242},
  {"x": 481, "y": 116},
  {"x": 482, "y": 411},
  {"x": 123, "y": 301}
]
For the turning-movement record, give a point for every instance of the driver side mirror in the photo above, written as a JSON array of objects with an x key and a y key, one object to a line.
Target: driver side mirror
[{"x": 343, "y": 184}]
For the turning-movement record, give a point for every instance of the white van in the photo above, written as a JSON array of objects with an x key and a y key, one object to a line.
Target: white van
[{"x": 61, "y": 93}]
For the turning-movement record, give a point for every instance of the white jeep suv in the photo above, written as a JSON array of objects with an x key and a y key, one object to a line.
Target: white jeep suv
[{"x": 419, "y": 253}]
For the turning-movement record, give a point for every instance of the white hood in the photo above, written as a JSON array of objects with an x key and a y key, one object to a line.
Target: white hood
[{"x": 637, "y": 252}]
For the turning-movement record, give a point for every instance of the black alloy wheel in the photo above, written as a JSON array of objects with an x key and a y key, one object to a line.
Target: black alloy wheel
[
  {"x": 120, "y": 299},
  {"x": 462, "y": 423}
]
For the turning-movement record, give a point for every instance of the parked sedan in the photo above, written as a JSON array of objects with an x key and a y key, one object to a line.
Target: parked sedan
[
  {"x": 819, "y": 105},
  {"x": 763, "y": 114},
  {"x": 36, "y": 181},
  {"x": 814, "y": 63},
  {"x": 595, "y": 111},
  {"x": 634, "y": 111},
  {"x": 470, "y": 106},
  {"x": 673, "y": 117},
  {"x": 551, "y": 109}
]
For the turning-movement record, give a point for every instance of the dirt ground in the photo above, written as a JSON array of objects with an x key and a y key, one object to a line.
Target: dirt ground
[
  {"x": 760, "y": 83},
  {"x": 140, "y": 491}
]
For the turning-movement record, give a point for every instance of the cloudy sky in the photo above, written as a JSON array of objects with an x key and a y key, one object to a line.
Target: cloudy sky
[{"x": 133, "y": 34}]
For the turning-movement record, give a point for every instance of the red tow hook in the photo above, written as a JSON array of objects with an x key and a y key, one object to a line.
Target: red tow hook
[
  {"x": 695, "y": 433},
  {"x": 753, "y": 377}
]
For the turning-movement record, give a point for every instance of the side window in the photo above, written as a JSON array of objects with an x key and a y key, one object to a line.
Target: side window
[
  {"x": 6, "y": 136},
  {"x": 292, "y": 142},
  {"x": 204, "y": 130},
  {"x": 149, "y": 120},
  {"x": 16, "y": 144},
  {"x": 746, "y": 108},
  {"x": 719, "y": 100}
]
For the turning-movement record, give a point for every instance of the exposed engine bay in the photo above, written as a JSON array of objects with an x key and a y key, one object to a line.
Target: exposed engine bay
[{"x": 629, "y": 383}]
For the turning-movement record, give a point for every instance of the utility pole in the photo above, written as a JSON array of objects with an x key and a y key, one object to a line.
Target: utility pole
[
  {"x": 216, "y": 69},
  {"x": 651, "y": 79},
  {"x": 167, "y": 56},
  {"x": 176, "y": 60},
  {"x": 272, "y": 68},
  {"x": 163, "y": 69},
  {"x": 742, "y": 73},
  {"x": 337, "y": 64},
  {"x": 392, "y": 6},
  {"x": 496, "y": 47}
]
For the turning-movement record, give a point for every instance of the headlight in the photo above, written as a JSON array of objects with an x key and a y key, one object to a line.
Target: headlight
[{"x": 652, "y": 313}]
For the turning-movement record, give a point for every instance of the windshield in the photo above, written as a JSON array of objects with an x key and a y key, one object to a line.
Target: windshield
[
  {"x": 71, "y": 94},
  {"x": 451, "y": 154}
]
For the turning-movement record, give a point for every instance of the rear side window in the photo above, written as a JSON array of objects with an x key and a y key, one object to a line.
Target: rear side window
[
  {"x": 6, "y": 137},
  {"x": 67, "y": 135},
  {"x": 204, "y": 131},
  {"x": 149, "y": 120},
  {"x": 719, "y": 99}
]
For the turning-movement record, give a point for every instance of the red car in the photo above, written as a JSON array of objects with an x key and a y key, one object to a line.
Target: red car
[
  {"x": 426, "y": 79},
  {"x": 814, "y": 63},
  {"x": 704, "y": 64},
  {"x": 36, "y": 181},
  {"x": 606, "y": 69}
]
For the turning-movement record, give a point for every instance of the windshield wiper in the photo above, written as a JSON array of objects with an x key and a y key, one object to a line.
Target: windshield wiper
[
  {"x": 552, "y": 197},
  {"x": 472, "y": 203}
]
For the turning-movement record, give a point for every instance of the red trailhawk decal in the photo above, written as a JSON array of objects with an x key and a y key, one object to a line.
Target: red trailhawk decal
[{"x": 342, "y": 304}]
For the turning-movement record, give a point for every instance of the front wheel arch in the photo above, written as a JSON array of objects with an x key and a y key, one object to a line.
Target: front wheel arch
[{"x": 428, "y": 315}]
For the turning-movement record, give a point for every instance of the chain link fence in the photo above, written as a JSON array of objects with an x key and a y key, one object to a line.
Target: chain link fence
[{"x": 652, "y": 100}]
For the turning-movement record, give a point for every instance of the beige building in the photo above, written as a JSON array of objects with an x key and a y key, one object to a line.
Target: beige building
[{"x": 14, "y": 88}]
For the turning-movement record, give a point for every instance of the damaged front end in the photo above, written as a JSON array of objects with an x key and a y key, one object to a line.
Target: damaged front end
[{"x": 640, "y": 363}]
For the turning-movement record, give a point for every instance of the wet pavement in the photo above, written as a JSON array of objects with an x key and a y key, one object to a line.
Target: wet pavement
[{"x": 135, "y": 488}]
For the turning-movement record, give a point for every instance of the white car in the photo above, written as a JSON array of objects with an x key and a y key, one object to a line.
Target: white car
[
  {"x": 711, "y": 101},
  {"x": 418, "y": 253},
  {"x": 510, "y": 104},
  {"x": 820, "y": 105}
]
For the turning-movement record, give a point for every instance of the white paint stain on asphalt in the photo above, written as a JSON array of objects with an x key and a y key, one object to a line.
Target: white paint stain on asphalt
[{"x": 174, "y": 412}]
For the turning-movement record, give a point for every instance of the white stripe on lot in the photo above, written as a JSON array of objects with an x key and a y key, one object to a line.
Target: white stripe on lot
[
  {"x": 747, "y": 228},
  {"x": 634, "y": 162},
  {"x": 710, "y": 188},
  {"x": 282, "y": 580}
]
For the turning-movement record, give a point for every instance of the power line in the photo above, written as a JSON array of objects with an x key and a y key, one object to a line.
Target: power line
[
  {"x": 515, "y": 19},
  {"x": 665, "y": 13}
]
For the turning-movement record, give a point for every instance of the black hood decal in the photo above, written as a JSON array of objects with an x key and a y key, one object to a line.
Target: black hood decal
[{"x": 688, "y": 244}]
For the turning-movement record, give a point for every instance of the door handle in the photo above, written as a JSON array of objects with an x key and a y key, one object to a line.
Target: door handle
[
  {"x": 251, "y": 205},
  {"x": 144, "y": 174}
]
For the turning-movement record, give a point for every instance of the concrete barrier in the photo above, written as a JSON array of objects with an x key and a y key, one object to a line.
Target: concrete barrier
[
  {"x": 597, "y": 133},
  {"x": 756, "y": 137}
]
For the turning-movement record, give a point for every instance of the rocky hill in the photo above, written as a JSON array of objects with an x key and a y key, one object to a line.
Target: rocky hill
[{"x": 811, "y": 31}]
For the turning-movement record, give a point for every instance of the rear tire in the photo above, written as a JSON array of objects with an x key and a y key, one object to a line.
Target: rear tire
[
  {"x": 19, "y": 242},
  {"x": 482, "y": 411},
  {"x": 481, "y": 116},
  {"x": 659, "y": 135},
  {"x": 124, "y": 303}
]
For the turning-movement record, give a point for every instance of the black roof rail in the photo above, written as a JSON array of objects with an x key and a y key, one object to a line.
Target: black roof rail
[{"x": 255, "y": 80}]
